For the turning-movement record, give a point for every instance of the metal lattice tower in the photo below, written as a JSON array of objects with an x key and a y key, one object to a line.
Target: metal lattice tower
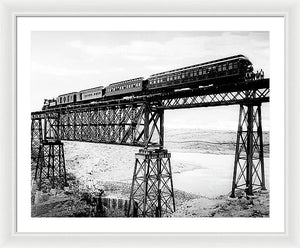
[
  {"x": 152, "y": 184},
  {"x": 248, "y": 171},
  {"x": 36, "y": 137},
  {"x": 51, "y": 164}
]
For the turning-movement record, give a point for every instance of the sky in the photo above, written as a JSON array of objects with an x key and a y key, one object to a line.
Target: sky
[{"x": 63, "y": 62}]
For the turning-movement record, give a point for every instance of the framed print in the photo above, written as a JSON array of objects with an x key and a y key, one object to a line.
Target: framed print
[{"x": 152, "y": 124}]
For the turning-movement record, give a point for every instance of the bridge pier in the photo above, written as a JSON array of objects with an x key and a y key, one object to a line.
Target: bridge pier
[
  {"x": 51, "y": 164},
  {"x": 248, "y": 173},
  {"x": 47, "y": 151},
  {"x": 152, "y": 184}
]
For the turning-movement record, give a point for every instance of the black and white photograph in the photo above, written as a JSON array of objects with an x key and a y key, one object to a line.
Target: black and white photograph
[
  {"x": 165, "y": 124},
  {"x": 153, "y": 124}
]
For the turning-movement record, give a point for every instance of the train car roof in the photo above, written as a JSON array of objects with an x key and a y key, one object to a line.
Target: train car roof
[
  {"x": 68, "y": 94},
  {"x": 201, "y": 64},
  {"x": 126, "y": 81},
  {"x": 98, "y": 87}
]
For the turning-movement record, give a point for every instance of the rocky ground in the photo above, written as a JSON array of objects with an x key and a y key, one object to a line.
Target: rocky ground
[
  {"x": 223, "y": 206},
  {"x": 75, "y": 201}
]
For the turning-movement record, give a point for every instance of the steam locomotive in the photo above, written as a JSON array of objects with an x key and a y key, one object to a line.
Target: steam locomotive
[{"x": 236, "y": 68}]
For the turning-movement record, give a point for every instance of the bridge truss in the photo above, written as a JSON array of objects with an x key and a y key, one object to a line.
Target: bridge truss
[{"x": 140, "y": 122}]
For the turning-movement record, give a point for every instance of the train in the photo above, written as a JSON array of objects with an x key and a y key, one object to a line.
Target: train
[{"x": 237, "y": 68}]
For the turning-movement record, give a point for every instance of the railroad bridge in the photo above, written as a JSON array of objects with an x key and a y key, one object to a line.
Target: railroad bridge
[{"x": 139, "y": 121}]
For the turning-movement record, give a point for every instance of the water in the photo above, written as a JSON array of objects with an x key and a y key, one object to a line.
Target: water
[{"x": 209, "y": 174}]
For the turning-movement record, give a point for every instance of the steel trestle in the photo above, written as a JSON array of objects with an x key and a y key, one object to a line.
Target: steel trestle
[
  {"x": 140, "y": 122},
  {"x": 152, "y": 184},
  {"x": 51, "y": 164},
  {"x": 249, "y": 174}
]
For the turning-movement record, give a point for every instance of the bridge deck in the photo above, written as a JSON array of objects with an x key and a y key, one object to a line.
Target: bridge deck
[{"x": 237, "y": 93}]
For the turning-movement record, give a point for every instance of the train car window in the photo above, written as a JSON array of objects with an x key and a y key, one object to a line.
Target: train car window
[
  {"x": 204, "y": 71},
  {"x": 230, "y": 66},
  {"x": 64, "y": 99},
  {"x": 68, "y": 98},
  {"x": 224, "y": 67},
  {"x": 200, "y": 72},
  {"x": 235, "y": 66},
  {"x": 219, "y": 68}
]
